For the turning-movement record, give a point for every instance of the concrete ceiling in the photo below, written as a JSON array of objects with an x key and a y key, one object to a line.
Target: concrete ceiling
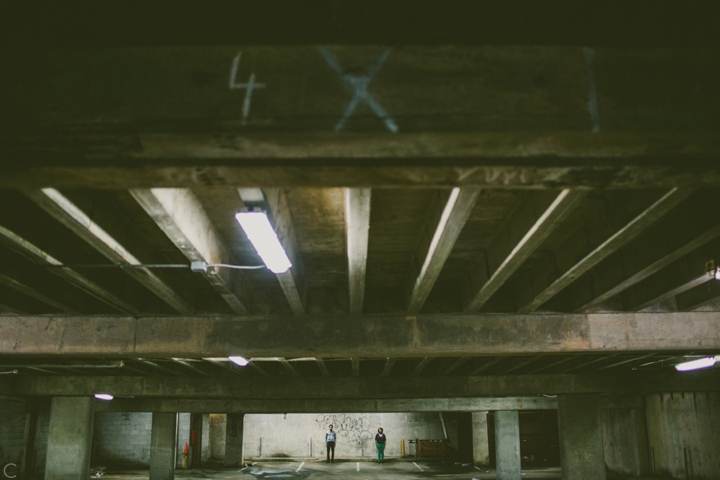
[{"x": 536, "y": 183}]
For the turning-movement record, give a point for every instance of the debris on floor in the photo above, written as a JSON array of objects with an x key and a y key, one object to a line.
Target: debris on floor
[
  {"x": 264, "y": 472},
  {"x": 97, "y": 472}
]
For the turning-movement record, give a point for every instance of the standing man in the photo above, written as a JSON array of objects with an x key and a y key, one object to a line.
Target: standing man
[
  {"x": 330, "y": 439},
  {"x": 380, "y": 440}
]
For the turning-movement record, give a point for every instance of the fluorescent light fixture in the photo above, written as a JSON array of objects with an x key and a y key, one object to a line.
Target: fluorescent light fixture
[
  {"x": 242, "y": 361},
  {"x": 259, "y": 231},
  {"x": 706, "y": 362},
  {"x": 103, "y": 396}
]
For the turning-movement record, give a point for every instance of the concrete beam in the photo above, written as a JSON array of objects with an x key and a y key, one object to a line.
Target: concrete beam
[
  {"x": 708, "y": 297},
  {"x": 292, "y": 282},
  {"x": 421, "y": 366},
  {"x": 190, "y": 366},
  {"x": 322, "y": 405},
  {"x": 441, "y": 232},
  {"x": 522, "y": 234},
  {"x": 182, "y": 218},
  {"x": 359, "y": 336},
  {"x": 288, "y": 367},
  {"x": 536, "y": 142},
  {"x": 456, "y": 364},
  {"x": 69, "y": 215},
  {"x": 36, "y": 294},
  {"x": 486, "y": 365},
  {"x": 357, "y": 224},
  {"x": 323, "y": 368},
  {"x": 7, "y": 309},
  {"x": 677, "y": 290},
  {"x": 35, "y": 254},
  {"x": 433, "y": 90},
  {"x": 653, "y": 268},
  {"x": 520, "y": 364},
  {"x": 389, "y": 363},
  {"x": 258, "y": 368},
  {"x": 653, "y": 213},
  {"x": 476, "y": 160},
  {"x": 678, "y": 277},
  {"x": 381, "y": 387}
]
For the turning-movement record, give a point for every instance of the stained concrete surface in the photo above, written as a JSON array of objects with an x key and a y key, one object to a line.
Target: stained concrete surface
[{"x": 350, "y": 469}]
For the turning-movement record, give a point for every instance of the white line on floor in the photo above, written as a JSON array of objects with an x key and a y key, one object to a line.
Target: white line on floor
[
  {"x": 358, "y": 466},
  {"x": 303, "y": 463},
  {"x": 418, "y": 466},
  {"x": 477, "y": 468}
]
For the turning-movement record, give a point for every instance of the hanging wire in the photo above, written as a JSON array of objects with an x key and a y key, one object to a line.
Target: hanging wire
[
  {"x": 122, "y": 265},
  {"x": 237, "y": 267},
  {"x": 155, "y": 265}
]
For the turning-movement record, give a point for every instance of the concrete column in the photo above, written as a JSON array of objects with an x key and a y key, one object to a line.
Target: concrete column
[
  {"x": 581, "y": 438},
  {"x": 626, "y": 442},
  {"x": 27, "y": 468},
  {"x": 507, "y": 445},
  {"x": 234, "y": 439},
  {"x": 183, "y": 437},
  {"x": 70, "y": 438},
  {"x": 162, "y": 446},
  {"x": 481, "y": 447}
]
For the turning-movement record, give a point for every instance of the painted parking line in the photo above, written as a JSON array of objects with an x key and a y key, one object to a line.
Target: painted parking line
[
  {"x": 357, "y": 465},
  {"x": 301, "y": 465},
  {"x": 418, "y": 467}
]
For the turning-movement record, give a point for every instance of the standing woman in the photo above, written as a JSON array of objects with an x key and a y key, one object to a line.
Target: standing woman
[{"x": 380, "y": 444}]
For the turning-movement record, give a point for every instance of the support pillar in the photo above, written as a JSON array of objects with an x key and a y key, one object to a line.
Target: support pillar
[
  {"x": 70, "y": 438},
  {"x": 581, "y": 438},
  {"x": 27, "y": 468},
  {"x": 507, "y": 445},
  {"x": 234, "y": 439},
  {"x": 481, "y": 447},
  {"x": 626, "y": 442},
  {"x": 162, "y": 446}
]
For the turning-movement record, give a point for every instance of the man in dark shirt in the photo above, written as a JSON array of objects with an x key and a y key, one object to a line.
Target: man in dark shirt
[
  {"x": 380, "y": 444},
  {"x": 330, "y": 439}
]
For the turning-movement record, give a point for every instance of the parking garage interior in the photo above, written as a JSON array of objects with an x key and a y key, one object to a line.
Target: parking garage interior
[{"x": 489, "y": 228}]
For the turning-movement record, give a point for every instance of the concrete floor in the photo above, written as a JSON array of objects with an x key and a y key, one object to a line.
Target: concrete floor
[{"x": 390, "y": 470}]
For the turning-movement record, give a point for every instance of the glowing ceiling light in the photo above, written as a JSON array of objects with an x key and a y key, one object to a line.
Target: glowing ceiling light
[
  {"x": 696, "y": 364},
  {"x": 242, "y": 361},
  {"x": 103, "y": 396},
  {"x": 259, "y": 231}
]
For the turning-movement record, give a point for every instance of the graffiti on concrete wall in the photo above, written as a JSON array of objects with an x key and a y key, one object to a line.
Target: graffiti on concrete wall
[{"x": 355, "y": 429}]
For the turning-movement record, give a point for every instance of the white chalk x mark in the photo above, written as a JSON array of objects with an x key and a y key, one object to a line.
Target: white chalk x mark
[
  {"x": 359, "y": 84},
  {"x": 249, "y": 86}
]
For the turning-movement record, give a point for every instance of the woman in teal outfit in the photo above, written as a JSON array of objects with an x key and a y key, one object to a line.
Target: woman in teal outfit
[{"x": 380, "y": 444}]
